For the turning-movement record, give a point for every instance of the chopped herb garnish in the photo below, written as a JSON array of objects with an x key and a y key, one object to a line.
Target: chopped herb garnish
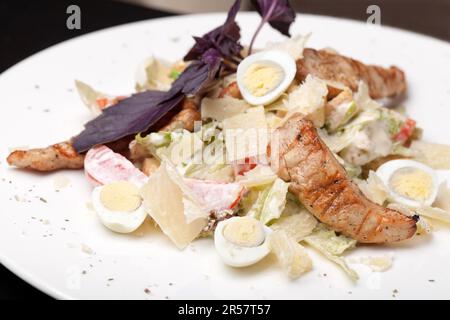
[{"x": 174, "y": 74}]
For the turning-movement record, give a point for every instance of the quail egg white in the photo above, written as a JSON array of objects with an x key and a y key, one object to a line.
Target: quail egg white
[
  {"x": 263, "y": 77},
  {"x": 119, "y": 206},
  {"x": 409, "y": 182},
  {"x": 241, "y": 241}
]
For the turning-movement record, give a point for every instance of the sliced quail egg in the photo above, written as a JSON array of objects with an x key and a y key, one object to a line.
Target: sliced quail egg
[
  {"x": 263, "y": 77},
  {"x": 241, "y": 241},
  {"x": 119, "y": 206},
  {"x": 410, "y": 183}
]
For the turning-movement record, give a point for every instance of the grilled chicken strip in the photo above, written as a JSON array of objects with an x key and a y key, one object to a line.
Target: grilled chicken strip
[
  {"x": 299, "y": 156},
  {"x": 335, "y": 68},
  {"x": 185, "y": 118},
  {"x": 63, "y": 155},
  {"x": 58, "y": 156},
  {"x": 325, "y": 65}
]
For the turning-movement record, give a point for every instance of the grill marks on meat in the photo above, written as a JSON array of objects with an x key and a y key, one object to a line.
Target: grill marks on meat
[
  {"x": 382, "y": 82},
  {"x": 58, "y": 156},
  {"x": 299, "y": 156}
]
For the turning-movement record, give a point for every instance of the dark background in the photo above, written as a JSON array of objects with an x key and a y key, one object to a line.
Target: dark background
[{"x": 27, "y": 27}]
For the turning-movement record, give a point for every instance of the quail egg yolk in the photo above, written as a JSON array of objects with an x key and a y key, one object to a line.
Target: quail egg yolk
[
  {"x": 412, "y": 183},
  {"x": 261, "y": 78},
  {"x": 120, "y": 196},
  {"x": 244, "y": 232}
]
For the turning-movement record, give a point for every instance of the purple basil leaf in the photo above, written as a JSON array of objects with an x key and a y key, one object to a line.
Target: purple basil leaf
[
  {"x": 278, "y": 13},
  {"x": 142, "y": 110},
  {"x": 225, "y": 39},
  {"x": 200, "y": 74},
  {"x": 130, "y": 116}
]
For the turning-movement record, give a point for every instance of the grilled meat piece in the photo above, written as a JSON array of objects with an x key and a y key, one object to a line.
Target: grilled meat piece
[
  {"x": 325, "y": 65},
  {"x": 63, "y": 155},
  {"x": 299, "y": 156},
  {"x": 185, "y": 118},
  {"x": 58, "y": 156}
]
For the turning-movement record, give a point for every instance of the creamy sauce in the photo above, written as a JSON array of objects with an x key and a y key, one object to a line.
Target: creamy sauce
[{"x": 369, "y": 144}]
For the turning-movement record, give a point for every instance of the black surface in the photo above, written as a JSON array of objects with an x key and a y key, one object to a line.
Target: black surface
[
  {"x": 430, "y": 17},
  {"x": 28, "y": 26}
]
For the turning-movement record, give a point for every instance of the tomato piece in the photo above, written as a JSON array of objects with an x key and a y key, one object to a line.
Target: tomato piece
[
  {"x": 104, "y": 166},
  {"x": 241, "y": 168},
  {"x": 406, "y": 131},
  {"x": 102, "y": 103}
]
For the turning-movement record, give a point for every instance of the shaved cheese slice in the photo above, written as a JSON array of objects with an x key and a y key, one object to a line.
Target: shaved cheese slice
[
  {"x": 261, "y": 175},
  {"x": 443, "y": 197},
  {"x": 292, "y": 256},
  {"x": 222, "y": 108},
  {"x": 293, "y": 46},
  {"x": 173, "y": 206},
  {"x": 309, "y": 99},
  {"x": 246, "y": 134},
  {"x": 104, "y": 166},
  {"x": 373, "y": 188},
  {"x": 434, "y": 155}
]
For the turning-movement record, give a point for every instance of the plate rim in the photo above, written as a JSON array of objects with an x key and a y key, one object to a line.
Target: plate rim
[
  {"x": 222, "y": 14},
  {"x": 25, "y": 273}
]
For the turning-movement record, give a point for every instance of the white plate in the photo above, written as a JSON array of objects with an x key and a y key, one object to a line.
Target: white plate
[{"x": 47, "y": 244}]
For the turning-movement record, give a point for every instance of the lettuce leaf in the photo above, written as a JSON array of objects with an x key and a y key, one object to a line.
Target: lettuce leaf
[
  {"x": 341, "y": 115},
  {"x": 332, "y": 247},
  {"x": 259, "y": 176},
  {"x": 254, "y": 202},
  {"x": 296, "y": 221},
  {"x": 275, "y": 201},
  {"x": 221, "y": 108},
  {"x": 340, "y": 140},
  {"x": 210, "y": 162}
]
